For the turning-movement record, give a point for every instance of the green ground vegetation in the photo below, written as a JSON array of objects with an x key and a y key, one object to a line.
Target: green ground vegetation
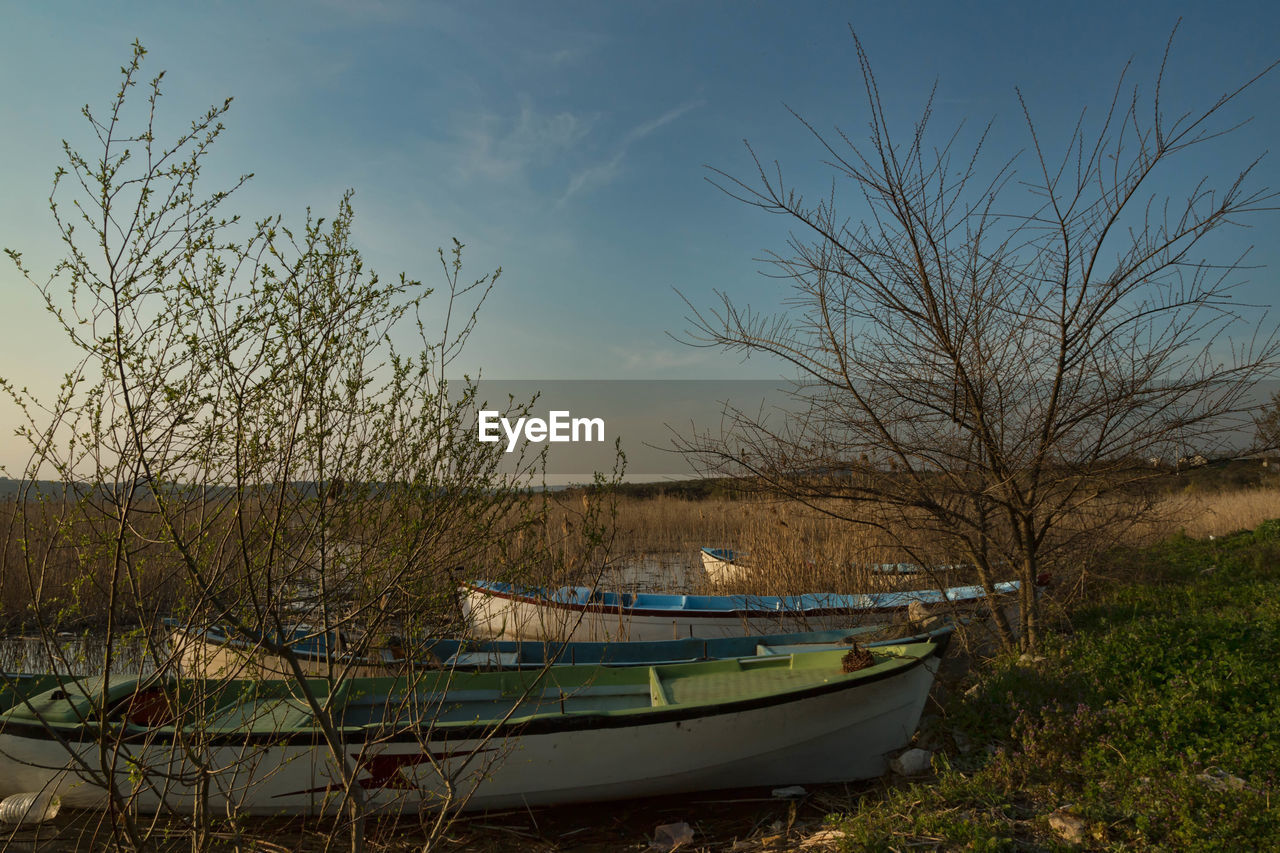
[{"x": 1152, "y": 718}]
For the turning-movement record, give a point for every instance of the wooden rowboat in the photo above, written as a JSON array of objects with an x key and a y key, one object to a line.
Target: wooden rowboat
[
  {"x": 511, "y": 738},
  {"x": 721, "y": 564},
  {"x": 217, "y": 652},
  {"x": 725, "y": 564},
  {"x": 508, "y": 611}
]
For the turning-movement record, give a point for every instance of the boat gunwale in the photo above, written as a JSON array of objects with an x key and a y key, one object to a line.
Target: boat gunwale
[{"x": 622, "y": 609}]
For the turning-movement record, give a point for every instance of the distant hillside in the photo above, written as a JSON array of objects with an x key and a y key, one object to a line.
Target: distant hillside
[{"x": 10, "y": 488}]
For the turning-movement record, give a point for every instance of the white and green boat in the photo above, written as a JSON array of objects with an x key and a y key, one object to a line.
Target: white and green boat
[{"x": 498, "y": 739}]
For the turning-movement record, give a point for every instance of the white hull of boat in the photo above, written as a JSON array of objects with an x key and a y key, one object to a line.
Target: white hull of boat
[
  {"x": 493, "y": 617},
  {"x": 501, "y": 611},
  {"x": 720, "y": 570},
  {"x": 840, "y": 735}
]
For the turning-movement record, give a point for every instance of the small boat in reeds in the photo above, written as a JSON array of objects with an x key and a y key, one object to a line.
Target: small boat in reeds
[
  {"x": 726, "y": 564},
  {"x": 721, "y": 564},
  {"x": 218, "y": 652},
  {"x": 506, "y": 739},
  {"x": 577, "y": 613}
]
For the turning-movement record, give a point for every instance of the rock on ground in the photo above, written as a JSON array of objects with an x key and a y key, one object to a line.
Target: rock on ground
[
  {"x": 913, "y": 762},
  {"x": 670, "y": 836},
  {"x": 1070, "y": 828}
]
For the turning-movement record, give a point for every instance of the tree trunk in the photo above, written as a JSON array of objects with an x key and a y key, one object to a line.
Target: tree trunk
[{"x": 1007, "y": 639}]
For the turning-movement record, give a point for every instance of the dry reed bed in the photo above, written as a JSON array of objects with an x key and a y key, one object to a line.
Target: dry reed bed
[
  {"x": 1217, "y": 514},
  {"x": 792, "y": 548}
]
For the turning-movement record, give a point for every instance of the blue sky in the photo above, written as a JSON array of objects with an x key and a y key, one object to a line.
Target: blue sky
[{"x": 567, "y": 142}]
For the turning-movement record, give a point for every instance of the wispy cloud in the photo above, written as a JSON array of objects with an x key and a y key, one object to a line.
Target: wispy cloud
[
  {"x": 499, "y": 150},
  {"x": 593, "y": 177},
  {"x": 641, "y": 131},
  {"x": 492, "y": 148},
  {"x": 601, "y": 174}
]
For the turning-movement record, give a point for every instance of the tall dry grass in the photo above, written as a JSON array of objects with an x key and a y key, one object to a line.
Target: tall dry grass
[
  {"x": 57, "y": 568},
  {"x": 654, "y": 544},
  {"x": 1217, "y": 514},
  {"x": 793, "y": 549}
]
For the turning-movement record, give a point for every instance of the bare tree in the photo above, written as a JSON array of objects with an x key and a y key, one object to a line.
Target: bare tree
[
  {"x": 990, "y": 378},
  {"x": 246, "y": 444}
]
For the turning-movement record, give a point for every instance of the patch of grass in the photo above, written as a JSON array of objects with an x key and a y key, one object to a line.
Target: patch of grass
[{"x": 1154, "y": 720}]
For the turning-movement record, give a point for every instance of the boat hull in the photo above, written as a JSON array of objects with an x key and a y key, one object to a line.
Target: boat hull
[
  {"x": 506, "y": 612},
  {"x": 720, "y": 565},
  {"x": 827, "y": 735},
  {"x": 505, "y": 618}
]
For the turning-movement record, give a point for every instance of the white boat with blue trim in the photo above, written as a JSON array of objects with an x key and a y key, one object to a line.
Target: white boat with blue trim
[{"x": 577, "y": 613}]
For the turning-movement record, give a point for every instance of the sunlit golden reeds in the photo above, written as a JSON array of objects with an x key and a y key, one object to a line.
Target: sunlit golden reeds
[
  {"x": 1217, "y": 514},
  {"x": 635, "y": 543},
  {"x": 791, "y": 548}
]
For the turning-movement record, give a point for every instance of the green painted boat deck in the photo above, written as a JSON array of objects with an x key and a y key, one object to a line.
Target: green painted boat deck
[{"x": 748, "y": 678}]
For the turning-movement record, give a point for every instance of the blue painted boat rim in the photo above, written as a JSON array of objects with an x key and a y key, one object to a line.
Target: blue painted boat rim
[{"x": 586, "y": 599}]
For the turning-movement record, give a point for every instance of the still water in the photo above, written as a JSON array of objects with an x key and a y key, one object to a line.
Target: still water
[{"x": 73, "y": 654}]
